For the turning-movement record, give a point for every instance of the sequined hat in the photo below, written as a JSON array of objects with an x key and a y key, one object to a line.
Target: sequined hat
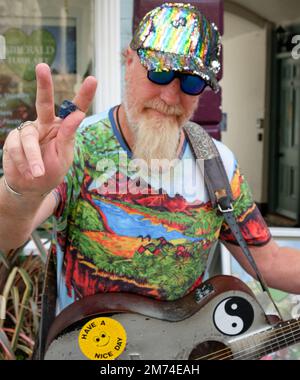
[{"x": 176, "y": 36}]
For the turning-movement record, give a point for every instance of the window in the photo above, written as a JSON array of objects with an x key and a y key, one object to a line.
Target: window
[{"x": 58, "y": 33}]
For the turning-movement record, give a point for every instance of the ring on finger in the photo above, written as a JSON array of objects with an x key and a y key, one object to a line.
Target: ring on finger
[
  {"x": 66, "y": 108},
  {"x": 24, "y": 125}
]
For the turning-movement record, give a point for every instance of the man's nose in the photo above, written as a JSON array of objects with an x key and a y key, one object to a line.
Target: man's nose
[{"x": 170, "y": 93}]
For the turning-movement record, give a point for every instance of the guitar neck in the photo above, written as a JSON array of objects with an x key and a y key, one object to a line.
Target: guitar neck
[
  {"x": 271, "y": 340},
  {"x": 284, "y": 335}
]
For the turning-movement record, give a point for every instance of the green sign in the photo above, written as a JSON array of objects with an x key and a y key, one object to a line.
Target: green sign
[{"x": 24, "y": 52}]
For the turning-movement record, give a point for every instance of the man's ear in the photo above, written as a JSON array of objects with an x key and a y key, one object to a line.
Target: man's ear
[{"x": 128, "y": 55}]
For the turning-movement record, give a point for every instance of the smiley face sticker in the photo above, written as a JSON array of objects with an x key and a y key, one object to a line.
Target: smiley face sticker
[{"x": 102, "y": 339}]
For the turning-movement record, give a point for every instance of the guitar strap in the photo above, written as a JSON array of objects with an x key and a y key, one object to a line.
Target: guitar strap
[{"x": 211, "y": 165}]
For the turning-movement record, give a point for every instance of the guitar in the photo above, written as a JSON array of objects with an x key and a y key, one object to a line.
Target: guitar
[{"x": 220, "y": 320}]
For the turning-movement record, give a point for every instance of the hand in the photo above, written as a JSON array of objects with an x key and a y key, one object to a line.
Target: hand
[{"x": 36, "y": 159}]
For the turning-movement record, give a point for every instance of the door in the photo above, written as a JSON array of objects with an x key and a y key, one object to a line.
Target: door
[{"x": 289, "y": 139}]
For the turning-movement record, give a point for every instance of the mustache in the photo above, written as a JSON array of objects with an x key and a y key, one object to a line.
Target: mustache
[{"x": 161, "y": 106}]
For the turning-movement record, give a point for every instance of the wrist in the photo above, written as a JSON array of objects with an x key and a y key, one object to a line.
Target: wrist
[{"x": 19, "y": 195}]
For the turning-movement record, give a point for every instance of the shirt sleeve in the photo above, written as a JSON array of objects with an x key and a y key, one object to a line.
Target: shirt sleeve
[{"x": 253, "y": 226}]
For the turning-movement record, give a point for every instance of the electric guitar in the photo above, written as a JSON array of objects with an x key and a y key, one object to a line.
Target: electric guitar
[{"x": 220, "y": 320}]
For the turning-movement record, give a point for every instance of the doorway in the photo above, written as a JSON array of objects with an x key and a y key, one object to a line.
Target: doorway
[{"x": 285, "y": 141}]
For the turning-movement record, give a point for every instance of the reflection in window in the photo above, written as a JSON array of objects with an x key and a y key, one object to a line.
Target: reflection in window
[{"x": 58, "y": 33}]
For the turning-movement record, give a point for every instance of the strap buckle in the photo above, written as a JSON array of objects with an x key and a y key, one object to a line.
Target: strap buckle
[
  {"x": 223, "y": 200},
  {"x": 229, "y": 209}
]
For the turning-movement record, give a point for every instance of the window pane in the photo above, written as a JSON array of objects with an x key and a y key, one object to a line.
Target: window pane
[{"x": 56, "y": 32}]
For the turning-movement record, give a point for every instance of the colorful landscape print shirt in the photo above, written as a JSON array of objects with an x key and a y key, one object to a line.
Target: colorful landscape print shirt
[{"x": 120, "y": 231}]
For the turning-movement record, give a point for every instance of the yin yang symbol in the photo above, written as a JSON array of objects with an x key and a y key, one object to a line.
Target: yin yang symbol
[{"x": 233, "y": 316}]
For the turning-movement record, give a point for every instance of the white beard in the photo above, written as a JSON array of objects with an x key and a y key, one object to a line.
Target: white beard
[{"x": 156, "y": 136}]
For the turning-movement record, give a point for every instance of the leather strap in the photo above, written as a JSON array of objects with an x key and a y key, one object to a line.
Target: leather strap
[
  {"x": 209, "y": 161},
  {"x": 235, "y": 229},
  {"x": 219, "y": 190}
]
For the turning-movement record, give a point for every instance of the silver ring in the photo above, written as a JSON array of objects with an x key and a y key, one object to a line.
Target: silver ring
[{"x": 25, "y": 124}]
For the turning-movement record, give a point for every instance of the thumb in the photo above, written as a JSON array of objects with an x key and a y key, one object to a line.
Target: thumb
[{"x": 65, "y": 138}]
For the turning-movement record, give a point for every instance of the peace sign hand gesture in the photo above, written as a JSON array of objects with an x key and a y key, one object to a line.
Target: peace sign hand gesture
[{"x": 36, "y": 158}]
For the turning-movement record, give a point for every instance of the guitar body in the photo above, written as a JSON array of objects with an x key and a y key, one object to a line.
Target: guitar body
[{"x": 212, "y": 322}]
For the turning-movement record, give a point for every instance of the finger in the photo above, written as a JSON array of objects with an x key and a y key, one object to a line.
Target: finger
[
  {"x": 13, "y": 148},
  {"x": 86, "y": 93},
  {"x": 44, "y": 94},
  {"x": 66, "y": 134},
  {"x": 30, "y": 142}
]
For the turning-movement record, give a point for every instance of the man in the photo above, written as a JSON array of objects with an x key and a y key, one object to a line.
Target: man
[{"x": 129, "y": 216}]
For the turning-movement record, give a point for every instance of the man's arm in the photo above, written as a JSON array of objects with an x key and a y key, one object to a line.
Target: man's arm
[
  {"x": 36, "y": 159},
  {"x": 280, "y": 266},
  {"x": 19, "y": 216}
]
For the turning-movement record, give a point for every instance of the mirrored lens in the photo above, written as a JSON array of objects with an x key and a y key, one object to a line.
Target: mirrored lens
[
  {"x": 161, "y": 77},
  {"x": 192, "y": 84}
]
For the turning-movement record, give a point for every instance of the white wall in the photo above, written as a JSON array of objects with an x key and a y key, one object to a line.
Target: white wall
[
  {"x": 107, "y": 53},
  {"x": 244, "y": 96},
  {"x": 126, "y": 29},
  {"x": 277, "y": 11}
]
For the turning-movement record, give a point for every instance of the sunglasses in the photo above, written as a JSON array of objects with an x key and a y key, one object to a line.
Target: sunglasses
[{"x": 189, "y": 84}]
